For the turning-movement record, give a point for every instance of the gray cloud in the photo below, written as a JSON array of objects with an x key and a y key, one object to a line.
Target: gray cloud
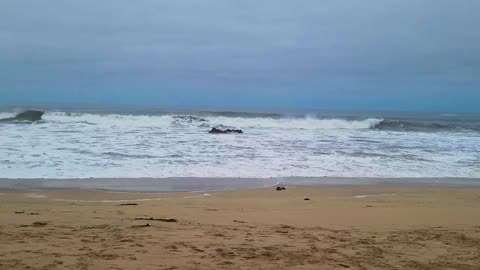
[{"x": 342, "y": 45}]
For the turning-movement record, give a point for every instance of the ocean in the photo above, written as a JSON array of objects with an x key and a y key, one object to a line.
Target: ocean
[{"x": 152, "y": 142}]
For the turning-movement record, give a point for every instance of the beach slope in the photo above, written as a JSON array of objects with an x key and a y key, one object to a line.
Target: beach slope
[{"x": 349, "y": 227}]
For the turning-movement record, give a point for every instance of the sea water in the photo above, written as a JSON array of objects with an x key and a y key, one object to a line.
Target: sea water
[{"x": 112, "y": 142}]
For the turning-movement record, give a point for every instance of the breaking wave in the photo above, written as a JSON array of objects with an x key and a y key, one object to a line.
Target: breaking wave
[
  {"x": 165, "y": 144},
  {"x": 254, "y": 120},
  {"x": 194, "y": 120}
]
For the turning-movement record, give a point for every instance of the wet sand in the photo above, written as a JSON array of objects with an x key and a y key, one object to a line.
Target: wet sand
[{"x": 348, "y": 227}]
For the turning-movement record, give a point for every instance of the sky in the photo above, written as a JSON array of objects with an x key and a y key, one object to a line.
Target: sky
[{"x": 413, "y": 55}]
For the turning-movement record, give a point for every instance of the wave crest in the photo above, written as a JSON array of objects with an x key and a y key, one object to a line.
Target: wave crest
[
  {"x": 109, "y": 119},
  {"x": 299, "y": 123},
  {"x": 240, "y": 122},
  {"x": 206, "y": 121}
]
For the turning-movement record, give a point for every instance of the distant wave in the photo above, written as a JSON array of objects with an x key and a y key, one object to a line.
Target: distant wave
[
  {"x": 300, "y": 123},
  {"x": 253, "y": 120},
  {"x": 241, "y": 114},
  {"x": 109, "y": 119},
  {"x": 417, "y": 126}
]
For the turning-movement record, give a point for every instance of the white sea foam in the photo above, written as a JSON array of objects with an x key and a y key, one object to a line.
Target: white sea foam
[
  {"x": 109, "y": 119},
  {"x": 6, "y": 115},
  {"x": 92, "y": 145},
  {"x": 297, "y": 123},
  {"x": 239, "y": 122}
]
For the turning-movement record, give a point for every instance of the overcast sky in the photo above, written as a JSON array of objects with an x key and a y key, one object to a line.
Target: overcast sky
[{"x": 371, "y": 54}]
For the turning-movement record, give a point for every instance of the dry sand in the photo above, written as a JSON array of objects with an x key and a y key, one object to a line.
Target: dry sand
[{"x": 369, "y": 227}]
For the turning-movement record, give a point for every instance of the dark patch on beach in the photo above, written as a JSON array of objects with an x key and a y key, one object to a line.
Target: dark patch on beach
[
  {"x": 238, "y": 221},
  {"x": 39, "y": 223},
  {"x": 141, "y": 226},
  {"x": 158, "y": 219},
  {"x": 127, "y": 204}
]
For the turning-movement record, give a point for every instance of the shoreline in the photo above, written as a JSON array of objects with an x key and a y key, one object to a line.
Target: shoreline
[
  {"x": 205, "y": 184},
  {"x": 110, "y": 196}
]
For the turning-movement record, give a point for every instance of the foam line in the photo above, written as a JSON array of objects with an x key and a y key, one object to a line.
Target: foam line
[
  {"x": 372, "y": 195},
  {"x": 131, "y": 200}
]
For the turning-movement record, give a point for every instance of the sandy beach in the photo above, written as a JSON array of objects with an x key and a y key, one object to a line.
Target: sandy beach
[
  {"x": 348, "y": 227},
  {"x": 242, "y": 135}
]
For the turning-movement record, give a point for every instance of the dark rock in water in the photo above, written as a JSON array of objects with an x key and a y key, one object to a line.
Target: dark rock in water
[
  {"x": 189, "y": 118},
  {"x": 224, "y": 131},
  {"x": 30, "y": 115},
  {"x": 216, "y": 130}
]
